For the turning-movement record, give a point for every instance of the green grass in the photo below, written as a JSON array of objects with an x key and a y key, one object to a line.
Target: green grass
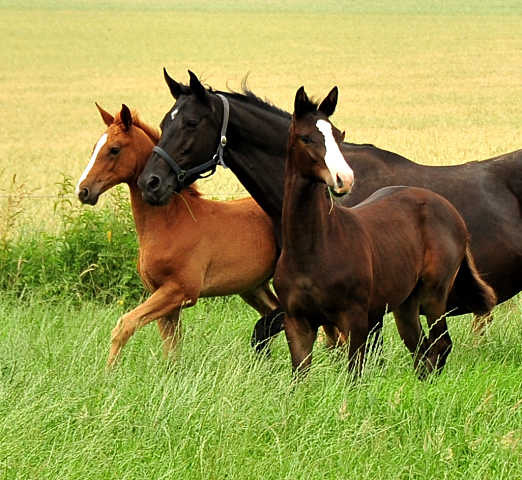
[{"x": 221, "y": 413}]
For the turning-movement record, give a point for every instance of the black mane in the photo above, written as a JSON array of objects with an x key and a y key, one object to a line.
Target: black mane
[{"x": 245, "y": 95}]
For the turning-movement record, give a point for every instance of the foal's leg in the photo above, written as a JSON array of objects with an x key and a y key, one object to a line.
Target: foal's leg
[
  {"x": 162, "y": 302},
  {"x": 354, "y": 330},
  {"x": 334, "y": 338},
  {"x": 480, "y": 323},
  {"x": 410, "y": 330},
  {"x": 301, "y": 336},
  {"x": 170, "y": 330},
  {"x": 439, "y": 339},
  {"x": 261, "y": 298}
]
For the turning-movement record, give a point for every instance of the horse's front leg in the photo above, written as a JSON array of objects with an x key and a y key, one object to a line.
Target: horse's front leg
[
  {"x": 301, "y": 336},
  {"x": 162, "y": 303}
]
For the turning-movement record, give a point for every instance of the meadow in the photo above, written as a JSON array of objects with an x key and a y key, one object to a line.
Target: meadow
[{"x": 437, "y": 81}]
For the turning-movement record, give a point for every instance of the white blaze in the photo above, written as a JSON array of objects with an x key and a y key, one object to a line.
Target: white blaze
[
  {"x": 173, "y": 113},
  {"x": 99, "y": 145},
  {"x": 333, "y": 158}
]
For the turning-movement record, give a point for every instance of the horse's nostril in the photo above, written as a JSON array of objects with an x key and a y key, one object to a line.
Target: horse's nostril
[
  {"x": 340, "y": 183},
  {"x": 153, "y": 183},
  {"x": 84, "y": 194}
]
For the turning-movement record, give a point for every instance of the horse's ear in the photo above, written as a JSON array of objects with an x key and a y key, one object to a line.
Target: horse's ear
[
  {"x": 330, "y": 102},
  {"x": 174, "y": 87},
  {"x": 126, "y": 117},
  {"x": 108, "y": 119},
  {"x": 300, "y": 103},
  {"x": 197, "y": 87}
]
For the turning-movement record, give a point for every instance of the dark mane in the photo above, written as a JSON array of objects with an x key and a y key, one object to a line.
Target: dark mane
[{"x": 245, "y": 95}]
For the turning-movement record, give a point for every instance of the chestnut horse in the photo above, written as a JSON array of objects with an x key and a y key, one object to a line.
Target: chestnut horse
[
  {"x": 487, "y": 193},
  {"x": 189, "y": 248},
  {"x": 401, "y": 249}
]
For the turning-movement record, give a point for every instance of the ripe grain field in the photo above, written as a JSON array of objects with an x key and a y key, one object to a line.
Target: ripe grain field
[{"x": 439, "y": 83}]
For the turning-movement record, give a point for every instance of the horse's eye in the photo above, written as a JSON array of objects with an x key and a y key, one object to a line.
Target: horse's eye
[
  {"x": 306, "y": 139},
  {"x": 114, "y": 151},
  {"x": 192, "y": 123}
]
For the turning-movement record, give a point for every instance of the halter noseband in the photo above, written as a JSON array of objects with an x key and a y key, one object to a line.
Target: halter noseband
[{"x": 211, "y": 165}]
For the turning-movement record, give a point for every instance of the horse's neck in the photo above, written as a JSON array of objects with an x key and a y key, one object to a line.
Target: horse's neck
[
  {"x": 310, "y": 220},
  {"x": 256, "y": 153},
  {"x": 146, "y": 216}
]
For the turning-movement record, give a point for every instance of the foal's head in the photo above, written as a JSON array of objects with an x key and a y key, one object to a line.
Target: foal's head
[
  {"x": 119, "y": 156},
  {"x": 313, "y": 143}
]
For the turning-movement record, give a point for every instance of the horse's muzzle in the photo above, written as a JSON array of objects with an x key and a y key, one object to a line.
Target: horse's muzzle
[{"x": 87, "y": 197}]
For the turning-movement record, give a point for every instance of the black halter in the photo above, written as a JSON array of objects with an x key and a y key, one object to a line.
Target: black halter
[{"x": 209, "y": 166}]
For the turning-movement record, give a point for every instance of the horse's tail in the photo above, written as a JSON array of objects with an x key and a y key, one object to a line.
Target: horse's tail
[{"x": 472, "y": 291}]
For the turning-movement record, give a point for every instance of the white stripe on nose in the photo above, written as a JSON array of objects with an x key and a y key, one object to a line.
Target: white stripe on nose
[
  {"x": 99, "y": 145},
  {"x": 342, "y": 174}
]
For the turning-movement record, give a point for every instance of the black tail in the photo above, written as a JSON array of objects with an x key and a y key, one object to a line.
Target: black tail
[{"x": 473, "y": 292}]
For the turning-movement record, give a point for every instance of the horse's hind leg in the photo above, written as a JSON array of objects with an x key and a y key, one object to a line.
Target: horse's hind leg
[
  {"x": 171, "y": 332},
  {"x": 266, "y": 303},
  {"x": 333, "y": 336},
  {"x": 480, "y": 323},
  {"x": 433, "y": 300},
  {"x": 266, "y": 329},
  {"x": 410, "y": 330},
  {"x": 261, "y": 298}
]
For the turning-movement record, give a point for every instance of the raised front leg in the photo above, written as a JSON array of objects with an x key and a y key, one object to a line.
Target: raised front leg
[{"x": 162, "y": 303}]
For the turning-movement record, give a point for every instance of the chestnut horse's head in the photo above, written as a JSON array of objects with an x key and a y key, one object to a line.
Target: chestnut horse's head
[
  {"x": 313, "y": 143},
  {"x": 119, "y": 155}
]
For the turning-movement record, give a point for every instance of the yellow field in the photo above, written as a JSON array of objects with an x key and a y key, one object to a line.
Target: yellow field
[{"x": 439, "y": 89}]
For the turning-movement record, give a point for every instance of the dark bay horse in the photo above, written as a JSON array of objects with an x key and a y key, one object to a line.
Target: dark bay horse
[
  {"x": 487, "y": 193},
  {"x": 401, "y": 249},
  {"x": 189, "y": 248}
]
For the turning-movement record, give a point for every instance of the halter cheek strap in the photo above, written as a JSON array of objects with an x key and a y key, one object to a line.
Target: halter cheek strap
[{"x": 209, "y": 166}]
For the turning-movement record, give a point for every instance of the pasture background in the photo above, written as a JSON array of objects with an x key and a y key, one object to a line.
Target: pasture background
[{"x": 437, "y": 81}]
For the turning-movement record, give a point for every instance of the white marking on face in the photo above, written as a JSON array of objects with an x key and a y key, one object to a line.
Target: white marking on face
[
  {"x": 173, "y": 113},
  {"x": 334, "y": 159},
  {"x": 99, "y": 145}
]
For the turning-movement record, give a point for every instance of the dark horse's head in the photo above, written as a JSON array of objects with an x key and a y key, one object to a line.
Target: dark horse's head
[
  {"x": 192, "y": 129},
  {"x": 313, "y": 143}
]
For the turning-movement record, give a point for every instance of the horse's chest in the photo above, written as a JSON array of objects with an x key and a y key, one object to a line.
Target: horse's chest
[
  {"x": 154, "y": 268},
  {"x": 307, "y": 295}
]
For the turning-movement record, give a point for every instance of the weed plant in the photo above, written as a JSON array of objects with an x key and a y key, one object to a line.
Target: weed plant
[{"x": 88, "y": 254}]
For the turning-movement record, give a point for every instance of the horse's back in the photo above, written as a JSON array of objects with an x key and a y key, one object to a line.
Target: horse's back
[
  {"x": 406, "y": 205},
  {"x": 413, "y": 233}
]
